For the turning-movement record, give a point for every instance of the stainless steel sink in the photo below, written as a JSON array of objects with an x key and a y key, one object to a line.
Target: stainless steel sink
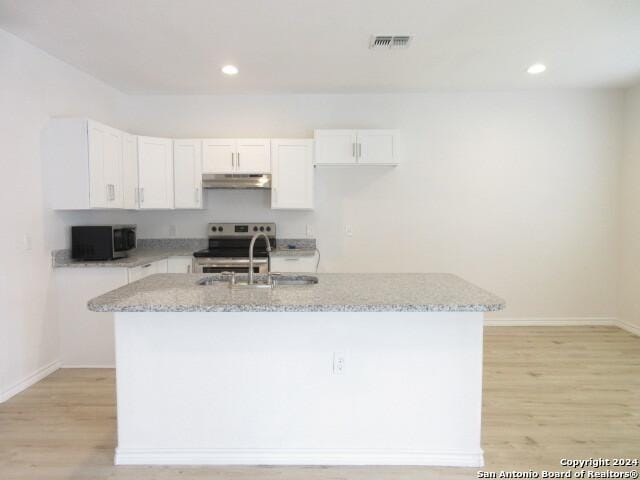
[
  {"x": 273, "y": 280},
  {"x": 295, "y": 280}
]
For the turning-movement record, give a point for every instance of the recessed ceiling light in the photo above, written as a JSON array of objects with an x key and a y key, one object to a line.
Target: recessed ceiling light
[
  {"x": 230, "y": 70},
  {"x": 536, "y": 68}
]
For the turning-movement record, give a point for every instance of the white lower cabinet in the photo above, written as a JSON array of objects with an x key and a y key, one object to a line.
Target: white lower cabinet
[
  {"x": 294, "y": 264},
  {"x": 292, "y": 174},
  {"x": 151, "y": 268},
  {"x": 180, "y": 265}
]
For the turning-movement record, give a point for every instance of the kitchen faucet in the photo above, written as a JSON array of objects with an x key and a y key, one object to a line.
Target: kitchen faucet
[{"x": 251, "y": 245}]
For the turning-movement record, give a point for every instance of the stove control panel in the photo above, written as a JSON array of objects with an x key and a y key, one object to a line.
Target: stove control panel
[{"x": 240, "y": 229}]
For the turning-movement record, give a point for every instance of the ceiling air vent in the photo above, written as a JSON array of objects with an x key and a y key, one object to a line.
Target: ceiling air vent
[{"x": 389, "y": 41}]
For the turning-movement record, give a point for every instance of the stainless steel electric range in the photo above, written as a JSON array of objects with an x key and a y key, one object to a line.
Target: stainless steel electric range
[{"x": 229, "y": 248}]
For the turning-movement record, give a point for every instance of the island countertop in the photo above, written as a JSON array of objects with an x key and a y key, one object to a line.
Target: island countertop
[{"x": 334, "y": 292}]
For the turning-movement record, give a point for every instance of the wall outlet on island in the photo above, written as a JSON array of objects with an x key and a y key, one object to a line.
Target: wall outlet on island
[
  {"x": 339, "y": 363},
  {"x": 172, "y": 230},
  {"x": 348, "y": 230}
]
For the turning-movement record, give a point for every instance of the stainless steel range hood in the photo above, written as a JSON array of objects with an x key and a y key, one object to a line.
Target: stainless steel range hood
[{"x": 232, "y": 180}]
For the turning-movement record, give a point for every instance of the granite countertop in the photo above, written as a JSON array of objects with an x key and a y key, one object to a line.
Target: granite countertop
[
  {"x": 293, "y": 252},
  {"x": 334, "y": 292},
  {"x": 151, "y": 250}
]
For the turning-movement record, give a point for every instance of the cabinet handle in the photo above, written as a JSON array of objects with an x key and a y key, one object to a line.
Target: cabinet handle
[
  {"x": 113, "y": 192},
  {"x": 146, "y": 266},
  {"x": 238, "y": 158},
  {"x": 291, "y": 259},
  {"x": 359, "y": 150},
  {"x": 233, "y": 163},
  {"x": 141, "y": 195},
  {"x": 136, "y": 196},
  {"x": 353, "y": 149},
  {"x": 196, "y": 195},
  {"x": 188, "y": 268}
]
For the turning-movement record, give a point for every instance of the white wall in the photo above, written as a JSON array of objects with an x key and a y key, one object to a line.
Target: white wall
[
  {"x": 630, "y": 213},
  {"x": 513, "y": 191},
  {"x": 33, "y": 86}
]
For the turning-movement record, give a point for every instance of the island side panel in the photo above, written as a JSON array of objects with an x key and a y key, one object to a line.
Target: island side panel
[{"x": 260, "y": 388}]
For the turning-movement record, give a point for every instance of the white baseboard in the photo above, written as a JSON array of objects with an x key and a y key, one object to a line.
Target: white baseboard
[
  {"x": 562, "y": 322},
  {"x": 277, "y": 456},
  {"x": 88, "y": 365},
  {"x": 635, "y": 329},
  {"x": 30, "y": 380},
  {"x": 550, "y": 322}
]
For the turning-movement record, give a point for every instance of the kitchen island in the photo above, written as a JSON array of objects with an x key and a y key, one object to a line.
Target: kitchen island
[{"x": 358, "y": 369}]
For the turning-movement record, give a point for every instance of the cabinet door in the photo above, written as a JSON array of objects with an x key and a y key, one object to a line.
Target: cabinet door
[
  {"x": 218, "y": 155},
  {"x": 161, "y": 266},
  {"x": 155, "y": 172},
  {"x": 292, "y": 174},
  {"x": 113, "y": 168},
  {"x": 294, "y": 264},
  {"x": 335, "y": 147},
  {"x": 187, "y": 170},
  {"x": 179, "y": 264},
  {"x": 377, "y": 147},
  {"x": 105, "y": 166},
  {"x": 253, "y": 155},
  {"x": 138, "y": 273},
  {"x": 130, "y": 171}
]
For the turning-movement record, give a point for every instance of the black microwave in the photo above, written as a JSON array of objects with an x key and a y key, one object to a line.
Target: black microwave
[{"x": 102, "y": 242}]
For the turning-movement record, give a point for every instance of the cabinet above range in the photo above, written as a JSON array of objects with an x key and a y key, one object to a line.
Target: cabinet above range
[{"x": 231, "y": 155}]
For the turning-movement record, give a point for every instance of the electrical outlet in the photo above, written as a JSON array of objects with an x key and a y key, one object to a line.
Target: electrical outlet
[
  {"x": 339, "y": 363},
  {"x": 309, "y": 231},
  {"x": 172, "y": 230},
  {"x": 27, "y": 243},
  {"x": 348, "y": 230}
]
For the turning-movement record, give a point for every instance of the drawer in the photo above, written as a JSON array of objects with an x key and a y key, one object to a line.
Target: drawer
[
  {"x": 180, "y": 265},
  {"x": 294, "y": 264},
  {"x": 138, "y": 273}
]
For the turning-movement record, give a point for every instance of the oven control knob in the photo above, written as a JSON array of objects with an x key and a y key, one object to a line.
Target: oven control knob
[
  {"x": 220, "y": 229},
  {"x": 268, "y": 229},
  {"x": 213, "y": 229},
  {"x": 262, "y": 229},
  {"x": 255, "y": 229}
]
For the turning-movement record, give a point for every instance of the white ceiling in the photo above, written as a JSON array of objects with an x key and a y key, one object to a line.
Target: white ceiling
[{"x": 312, "y": 46}]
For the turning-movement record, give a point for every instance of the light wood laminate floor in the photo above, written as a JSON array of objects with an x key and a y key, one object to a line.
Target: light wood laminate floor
[{"x": 549, "y": 393}]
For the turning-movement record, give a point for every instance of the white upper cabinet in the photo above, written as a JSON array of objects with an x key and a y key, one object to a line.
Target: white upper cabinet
[
  {"x": 155, "y": 172},
  {"x": 335, "y": 147},
  {"x": 187, "y": 171},
  {"x": 130, "y": 171},
  {"x": 230, "y": 155},
  {"x": 292, "y": 174},
  {"x": 219, "y": 155},
  {"x": 105, "y": 166},
  {"x": 377, "y": 147},
  {"x": 357, "y": 147},
  {"x": 253, "y": 155},
  {"x": 83, "y": 163}
]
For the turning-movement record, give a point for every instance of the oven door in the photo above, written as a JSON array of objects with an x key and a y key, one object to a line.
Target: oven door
[{"x": 238, "y": 265}]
